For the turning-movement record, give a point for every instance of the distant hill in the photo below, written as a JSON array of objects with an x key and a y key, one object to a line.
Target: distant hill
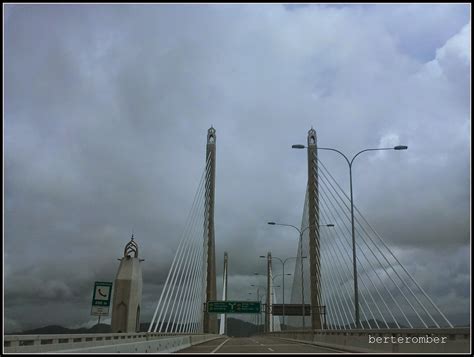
[
  {"x": 235, "y": 327},
  {"x": 59, "y": 330},
  {"x": 373, "y": 323},
  {"x": 239, "y": 328}
]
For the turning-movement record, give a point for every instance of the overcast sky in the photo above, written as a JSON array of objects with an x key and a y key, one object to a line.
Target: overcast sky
[{"x": 105, "y": 120}]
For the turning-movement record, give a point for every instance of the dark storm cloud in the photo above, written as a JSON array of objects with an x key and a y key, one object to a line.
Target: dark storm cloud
[{"x": 106, "y": 112}]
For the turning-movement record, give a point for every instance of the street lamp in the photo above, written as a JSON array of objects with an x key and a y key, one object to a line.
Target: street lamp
[
  {"x": 301, "y": 255},
  {"x": 273, "y": 286},
  {"x": 256, "y": 317},
  {"x": 268, "y": 300},
  {"x": 258, "y": 289},
  {"x": 283, "y": 263},
  {"x": 276, "y": 276},
  {"x": 356, "y": 294},
  {"x": 259, "y": 300}
]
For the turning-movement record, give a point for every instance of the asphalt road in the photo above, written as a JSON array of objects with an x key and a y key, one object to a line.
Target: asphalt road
[{"x": 255, "y": 345}]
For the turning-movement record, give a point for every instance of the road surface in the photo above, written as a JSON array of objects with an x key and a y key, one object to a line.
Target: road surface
[{"x": 255, "y": 344}]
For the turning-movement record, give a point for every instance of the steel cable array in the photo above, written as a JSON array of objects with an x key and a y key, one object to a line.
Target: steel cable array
[
  {"x": 389, "y": 296},
  {"x": 180, "y": 306}
]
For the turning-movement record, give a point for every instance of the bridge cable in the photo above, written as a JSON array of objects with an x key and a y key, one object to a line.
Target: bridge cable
[
  {"x": 366, "y": 258},
  {"x": 181, "y": 285},
  {"x": 173, "y": 262},
  {"x": 383, "y": 267},
  {"x": 391, "y": 266},
  {"x": 378, "y": 292},
  {"x": 370, "y": 294},
  {"x": 166, "y": 291},
  {"x": 171, "y": 289}
]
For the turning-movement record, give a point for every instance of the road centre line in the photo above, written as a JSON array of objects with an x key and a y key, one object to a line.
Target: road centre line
[
  {"x": 222, "y": 344},
  {"x": 318, "y": 346}
]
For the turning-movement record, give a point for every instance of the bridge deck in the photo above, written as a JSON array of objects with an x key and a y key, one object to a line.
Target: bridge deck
[{"x": 257, "y": 344}]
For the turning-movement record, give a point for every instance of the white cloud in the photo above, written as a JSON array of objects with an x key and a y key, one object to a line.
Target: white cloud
[
  {"x": 453, "y": 60},
  {"x": 107, "y": 109},
  {"x": 457, "y": 48}
]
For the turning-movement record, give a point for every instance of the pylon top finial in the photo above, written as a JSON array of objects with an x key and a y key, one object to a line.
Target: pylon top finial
[
  {"x": 311, "y": 136},
  {"x": 211, "y": 135},
  {"x": 131, "y": 247}
]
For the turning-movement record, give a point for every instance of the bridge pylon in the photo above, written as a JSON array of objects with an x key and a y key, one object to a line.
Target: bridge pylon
[
  {"x": 223, "y": 323},
  {"x": 314, "y": 244},
  {"x": 210, "y": 320}
]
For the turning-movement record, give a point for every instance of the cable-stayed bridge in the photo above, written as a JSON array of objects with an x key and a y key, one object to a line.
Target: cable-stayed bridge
[
  {"x": 347, "y": 286},
  {"x": 389, "y": 296}
]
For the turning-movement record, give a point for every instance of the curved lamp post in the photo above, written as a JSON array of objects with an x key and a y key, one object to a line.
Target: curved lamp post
[
  {"x": 283, "y": 263},
  {"x": 350, "y": 162},
  {"x": 301, "y": 255}
]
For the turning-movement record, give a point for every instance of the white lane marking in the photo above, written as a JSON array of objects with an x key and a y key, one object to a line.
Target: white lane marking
[
  {"x": 222, "y": 344},
  {"x": 270, "y": 349},
  {"x": 319, "y": 346},
  {"x": 313, "y": 345}
]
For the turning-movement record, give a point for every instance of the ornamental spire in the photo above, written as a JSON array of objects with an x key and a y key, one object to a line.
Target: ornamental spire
[{"x": 131, "y": 247}]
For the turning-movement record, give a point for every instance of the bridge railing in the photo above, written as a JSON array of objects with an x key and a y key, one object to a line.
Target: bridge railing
[
  {"x": 43, "y": 343},
  {"x": 424, "y": 340}
]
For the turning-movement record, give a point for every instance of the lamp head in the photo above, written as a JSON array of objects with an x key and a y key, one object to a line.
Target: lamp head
[
  {"x": 271, "y": 223},
  {"x": 298, "y": 146},
  {"x": 400, "y": 147}
]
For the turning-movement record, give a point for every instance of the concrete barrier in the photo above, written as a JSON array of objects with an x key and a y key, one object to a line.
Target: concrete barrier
[
  {"x": 103, "y": 343},
  {"x": 453, "y": 340}
]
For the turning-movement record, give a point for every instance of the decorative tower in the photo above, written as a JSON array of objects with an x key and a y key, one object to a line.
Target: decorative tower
[
  {"x": 313, "y": 211},
  {"x": 210, "y": 320},
  {"x": 127, "y": 291}
]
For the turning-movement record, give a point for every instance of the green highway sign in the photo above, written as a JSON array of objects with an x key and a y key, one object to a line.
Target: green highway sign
[
  {"x": 101, "y": 298},
  {"x": 234, "y": 307}
]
